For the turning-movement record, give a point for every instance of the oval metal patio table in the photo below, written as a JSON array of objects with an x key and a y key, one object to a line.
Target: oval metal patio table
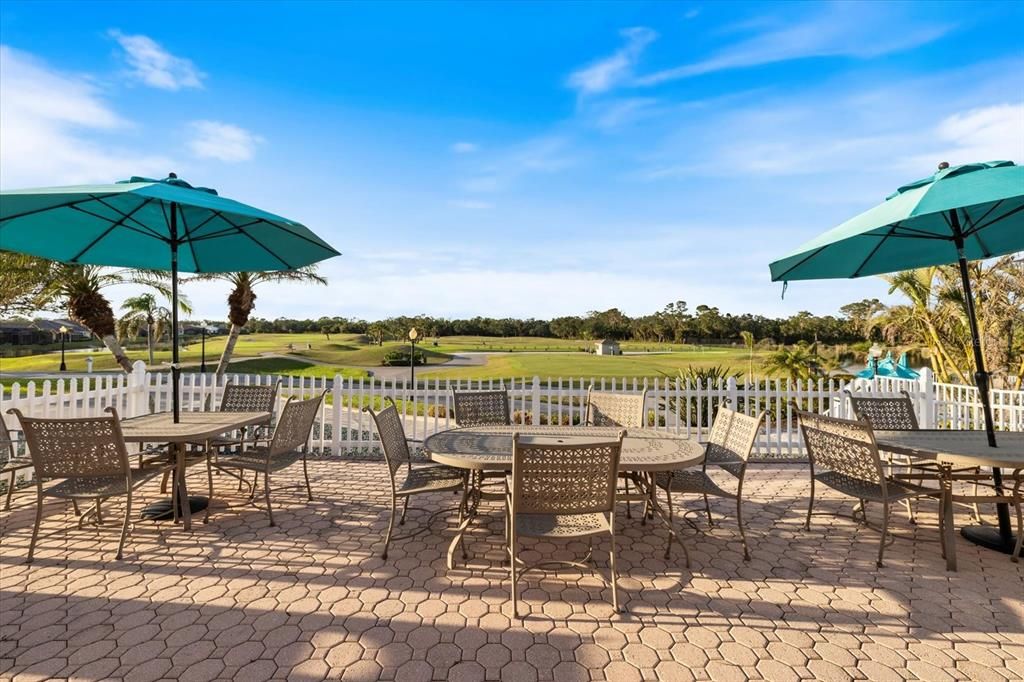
[{"x": 489, "y": 448}]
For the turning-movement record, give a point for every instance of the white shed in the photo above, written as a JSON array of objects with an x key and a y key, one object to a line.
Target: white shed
[{"x": 607, "y": 347}]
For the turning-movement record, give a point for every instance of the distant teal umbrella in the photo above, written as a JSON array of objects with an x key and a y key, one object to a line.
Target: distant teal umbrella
[
  {"x": 888, "y": 368},
  {"x": 960, "y": 213},
  {"x": 156, "y": 224}
]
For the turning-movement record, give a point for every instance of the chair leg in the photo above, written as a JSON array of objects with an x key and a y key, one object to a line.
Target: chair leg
[
  {"x": 209, "y": 481},
  {"x": 10, "y": 491},
  {"x": 611, "y": 565},
  {"x": 707, "y": 508},
  {"x": 99, "y": 511},
  {"x": 125, "y": 525},
  {"x": 405, "y": 508},
  {"x": 163, "y": 482},
  {"x": 810, "y": 506},
  {"x": 885, "y": 532},
  {"x": 974, "y": 505},
  {"x": 739, "y": 522},
  {"x": 668, "y": 500},
  {"x": 391, "y": 526},
  {"x": 629, "y": 507},
  {"x": 512, "y": 567},
  {"x": 266, "y": 495},
  {"x": 305, "y": 472},
  {"x": 74, "y": 505},
  {"x": 39, "y": 520},
  {"x": 1015, "y": 556}
]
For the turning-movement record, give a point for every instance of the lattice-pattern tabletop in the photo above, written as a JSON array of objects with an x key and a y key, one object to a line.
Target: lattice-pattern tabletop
[
  {"x": 957, "y": 448},
  {"x": 490, "y": 447},
  {"x": 160, "y": 427}
]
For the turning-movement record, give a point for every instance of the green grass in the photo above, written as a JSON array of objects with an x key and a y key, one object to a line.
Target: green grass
[
  {"x": 555, "y": 365},
  {"x": 350, "y": 356}
]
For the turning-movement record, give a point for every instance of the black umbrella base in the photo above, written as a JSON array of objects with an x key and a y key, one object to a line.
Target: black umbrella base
[
  {"x": 989, "y": 537},
  {"x": 162, "y": 510}
]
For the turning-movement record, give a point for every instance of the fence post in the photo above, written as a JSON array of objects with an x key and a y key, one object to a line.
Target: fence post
[
  {"x": 336, "y": 388},
  {"x": 534, "y": 403},
  {"x": 929, "y": 407},
  {"x": 136, "y": 387},
  {"x": 734, "y": 403}
]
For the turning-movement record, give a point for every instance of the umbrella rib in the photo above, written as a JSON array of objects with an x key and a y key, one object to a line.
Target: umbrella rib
[
  {"x": 142, "y": 228},
  {"x": 146, "y": 232},
  {"x": 101, "y": 236},
  {"x": 978, "y": 228},
  {"x": 800, "y": 262},
  {"x": 974, "y": 223},
  {"x": 187, "y": 240},
  {"x": 69, "y": 204},
  {"x": 856, "y": 273},
  {"x": 257, "y": 241}
]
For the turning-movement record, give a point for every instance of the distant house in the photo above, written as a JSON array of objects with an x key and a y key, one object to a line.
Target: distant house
[
  {"x": 607, "y": 347},
  {"x": 76, "y": 332},
  {"x": 21, "y": 333}
]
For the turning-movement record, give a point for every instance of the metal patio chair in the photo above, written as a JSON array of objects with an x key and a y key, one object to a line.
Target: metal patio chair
[
  {"x": 12, "y": 461},
  {"x": 844, "y": 456},
  {"x": 898, "y": 414},
  {"x": 627, "y": 410},
  {"x": 562, "y": 488},
  {"x": 729, "y": 446},
  {"x": 418, "y": 480},
  {"x": 481, "y": 408},
  {"x": 89, "y": 458},
  {"x": 287, "y": 446}
]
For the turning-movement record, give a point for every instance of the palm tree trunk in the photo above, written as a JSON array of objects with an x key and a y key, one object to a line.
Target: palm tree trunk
[
  {"x": 229, "y": 349},
  {"x": 110, "y": 341},
  {"x": 149, "y": 342}
]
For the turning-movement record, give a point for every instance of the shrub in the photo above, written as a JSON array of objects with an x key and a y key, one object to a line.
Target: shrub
[{"x": 399, "y": 357}]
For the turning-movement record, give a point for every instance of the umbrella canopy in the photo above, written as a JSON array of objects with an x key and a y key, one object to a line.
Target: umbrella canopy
[
  {"x": 960, "y": 213},
  {"x": 979, "y": 204},
  {"x": 154, "y": 224},
  {"x": 888, "y": 368},
  {"x": 135, "y": 223}
]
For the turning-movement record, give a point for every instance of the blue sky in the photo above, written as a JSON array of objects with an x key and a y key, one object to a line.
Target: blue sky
[{"x": 520, "y": 159}]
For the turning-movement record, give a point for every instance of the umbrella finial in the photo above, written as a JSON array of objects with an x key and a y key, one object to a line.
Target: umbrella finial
[
  {"x": 943, "y": 165},
  {"x": 175, "y": 175}
]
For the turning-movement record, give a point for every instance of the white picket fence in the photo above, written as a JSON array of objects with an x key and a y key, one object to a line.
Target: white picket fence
[{"x": 673, "y": 405}]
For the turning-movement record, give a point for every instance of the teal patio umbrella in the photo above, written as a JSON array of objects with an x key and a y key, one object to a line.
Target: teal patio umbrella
[
  {"x": 958, "y": 214},
  {"x": 154, "y": 224}
]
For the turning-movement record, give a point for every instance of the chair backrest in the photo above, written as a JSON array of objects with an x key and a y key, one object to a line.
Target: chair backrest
[
  {"x": 732, "y": 440},
  {"x": 842, "y": 446},
  {"x": 616, "y": 409},
  {"x": 75, "y": 448},
  {"x": 481, "y": 408},
  {"x": 8, "y": 448},
  {"x": 296, "y": 422},
  {"x": 392, "y": 437},
  {"x": 249, "y": 398},
  {"x": 885, "y": 414},
  {"x": 564, "y": 475}
]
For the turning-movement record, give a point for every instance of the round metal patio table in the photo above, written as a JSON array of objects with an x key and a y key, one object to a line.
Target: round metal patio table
[{"x": 489, "y": 448}]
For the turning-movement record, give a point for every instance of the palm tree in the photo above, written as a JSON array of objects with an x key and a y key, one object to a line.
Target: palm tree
[
  {"x": 242, "y": 299},
  {"x": 748, "y": 341},
  {"x": 142, "y": 312},
  {"x": 80, "y": 287},
  {"x": 796, "y": 362}
]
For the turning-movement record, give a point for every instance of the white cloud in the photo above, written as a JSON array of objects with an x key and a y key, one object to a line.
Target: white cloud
[
  {"x": 841, "y": 29},
  {"x": 473, "y": 204},
  {"x": 692, "y": 13},
  {"x": 58, "y": 129},
  {"x": 465, "y": 147},
  {"x": 983, "y": 134},
  {"x": 151, "y": 64},
  {"x": 222, "y": 141},
  {"x": 610, "y": 72},
  {"x": 541, "y": 155}
]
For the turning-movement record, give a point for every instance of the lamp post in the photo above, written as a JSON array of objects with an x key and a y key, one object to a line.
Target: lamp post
[
  {"x": 63, "y": 338},
  {"x": 202, "y": 362},
  {"x": 413, "y": 335}
]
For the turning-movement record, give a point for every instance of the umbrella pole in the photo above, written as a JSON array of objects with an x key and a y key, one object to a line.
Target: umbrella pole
[
  {"x": 1001, "y": 539},
  {"x": 176, "y": 398}
]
